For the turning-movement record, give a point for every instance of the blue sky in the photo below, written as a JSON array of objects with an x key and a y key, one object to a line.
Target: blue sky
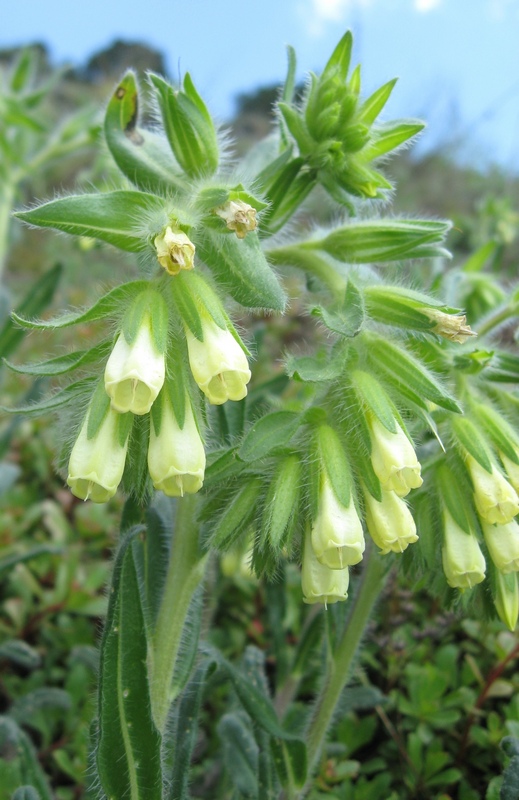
[{"x": 457, "y": 60}]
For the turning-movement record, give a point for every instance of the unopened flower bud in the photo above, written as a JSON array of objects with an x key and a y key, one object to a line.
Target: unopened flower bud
[
  {"x": 96, "y": 465},
  {"x": 496, "y": 500},
  {"x": 176, "y": 456},
  {"x": 394, "y": 459},
  {"x": 175, "y": 251},
  {"x": 319, "y": 583},
  {"x": 390, "y": 522},
  {"x": 451, "y": 326},
  {"x": 219, "y": 365},
  {"x": 506, "y": 600},
  {"x": 135, "y": 372},
  {"x": 503, "y": 545},
  {"x": 337, "y": 537},
  {"x": 463, "y": 562},
  {"x": 239, "y": 217}
]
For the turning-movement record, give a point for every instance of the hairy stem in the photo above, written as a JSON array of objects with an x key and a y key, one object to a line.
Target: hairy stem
[
  {"x": 339, "y": 666},
  {"x": 185, "y": 571},
  {"x": 310, "y": 262}
]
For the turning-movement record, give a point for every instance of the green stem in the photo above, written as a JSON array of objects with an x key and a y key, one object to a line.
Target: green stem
[
  {"x": 309, "y": 261},
  {"x": 6, "y": 207},
  {"x": 339, "y": 667},
  {"x": 501, "y": 316},
  {"x": 185, "y": 572}
]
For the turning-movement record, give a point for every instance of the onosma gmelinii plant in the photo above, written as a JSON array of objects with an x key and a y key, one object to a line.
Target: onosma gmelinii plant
[{"x": 392, "y": 439}]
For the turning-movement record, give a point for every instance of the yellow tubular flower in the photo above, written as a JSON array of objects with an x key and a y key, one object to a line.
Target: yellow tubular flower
[
  {"x": 394, "y": 459},
  {"x": 463, "y": 562},
  {"x": 176, "y": 456},
  {"x": 319, "y": 583},
  {"x": 219, "y": 365},
  {"x": 496, "y": 500},
  {"x": 337, "y": 537},
  {"x": 135, "y": 372},
  {"x": 390, "y": 522},
  {"x": 96, "y": 465},
  {"x": 503, "y": 545}
]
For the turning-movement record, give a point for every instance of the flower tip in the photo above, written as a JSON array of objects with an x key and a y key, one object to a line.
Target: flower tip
[{"x": 175, "y": 251}]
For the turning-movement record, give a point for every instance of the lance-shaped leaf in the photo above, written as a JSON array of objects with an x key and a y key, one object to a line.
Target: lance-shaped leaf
[
  {"x": 473, "y": 441},
  {"x": 455, "y": 492},
  {"x": 63, "y": 364},
  {"x": 222, "y": 464},
  {"x": 314, "y": 369},
  {"x": 371, "y": 108},
  {"x": 236, "y": 515},
  {"x": 240, "y": 752},
  {"x": 269, "y": 432},
  {"x": 339, "y": 61},
  {"x": 383, "y": 240},
  {"x": 114, "y": 217},
  {"x": 282, "y": 503},
  {"x": 72, "y": 393},
  {"x": 128, "y": 752},
  {"x": 289, "y": 751},
  {"x": 241, "y": 267},
  {"x": 390, "y": 136},
  {"x": 141, "y": 155},
  {"x": 372, "y": 396},
  {"x": 408, "y": 375},
  {"x": 184, "y": 731},
  {"x": 500, "y": 432},
  {"x": 34, "y": 302},
  {"x": 104, "y": 307}
]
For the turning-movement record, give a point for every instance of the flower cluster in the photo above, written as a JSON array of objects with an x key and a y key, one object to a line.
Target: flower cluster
[
  {"x": 484, "y": 520},
  {"x": 335, "y": 539},
  {"x": 144, "y": 376}
]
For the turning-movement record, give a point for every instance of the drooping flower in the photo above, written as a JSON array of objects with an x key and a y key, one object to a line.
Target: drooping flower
[
  {"x": 390, "y": 522},
  {"x": 337, "y": 537},
  {"x": 96, "y": 464},
  {"x": 135, "y": 372},
  {"x": 176, "y": 456},
  {"x": 219, "y": 365},
  {"x": 175, "y": 251},
  {"x": 393, "y": 458},
  {"x": 239, "y": 217},
  {"x": 496, "y": 500},
  {"x": 463, "y": 562},
  {"x": 319, "y": 583},
  {"x": 503, "y": 545}
]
